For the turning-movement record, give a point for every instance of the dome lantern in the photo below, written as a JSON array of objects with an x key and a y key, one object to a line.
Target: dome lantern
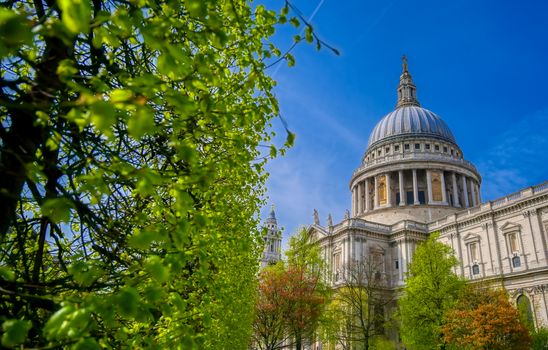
[{"x": 407, "y": 91}]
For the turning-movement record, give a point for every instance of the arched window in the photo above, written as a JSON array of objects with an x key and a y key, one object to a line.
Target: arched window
[{"x": 525, "y": 312}]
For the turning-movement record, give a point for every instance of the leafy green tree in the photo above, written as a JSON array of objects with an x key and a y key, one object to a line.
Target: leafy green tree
[
  {"x": 130, "y": 176},
  {"x": 358, "y": 305},
  {"x": 539, "y": 339},
  {"x": 431, "y": 289}
]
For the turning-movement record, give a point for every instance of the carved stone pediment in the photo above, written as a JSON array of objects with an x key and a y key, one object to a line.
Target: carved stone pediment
[
  {"x": 471, "y": 237},
  {"x": 376, "y": 249},
  {"x": 510, "y": 226}
]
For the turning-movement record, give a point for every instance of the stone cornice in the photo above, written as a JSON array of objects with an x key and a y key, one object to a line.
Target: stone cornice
[{"x": 522, "y": 201}]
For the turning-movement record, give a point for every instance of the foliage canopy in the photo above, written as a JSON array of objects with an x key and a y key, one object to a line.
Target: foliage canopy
[
  {"x": 484, "y": 319},
  {"x": 130, "y": 176},
  {"x": 431, "y": 289}
]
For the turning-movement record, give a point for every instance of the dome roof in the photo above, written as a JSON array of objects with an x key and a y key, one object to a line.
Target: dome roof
[{"x": 410, "y": 121}]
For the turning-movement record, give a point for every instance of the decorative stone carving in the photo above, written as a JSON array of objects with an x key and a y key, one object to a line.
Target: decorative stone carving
[
  {"x": 316, "y": 217},
  {"x": 329, "y": 220}
]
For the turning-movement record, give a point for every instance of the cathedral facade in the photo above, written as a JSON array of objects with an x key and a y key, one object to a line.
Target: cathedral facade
[{"x": 413, "y": 180}]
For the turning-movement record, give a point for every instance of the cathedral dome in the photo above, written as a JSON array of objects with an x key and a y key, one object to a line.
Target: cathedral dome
[{"x": 410, "y": 120}]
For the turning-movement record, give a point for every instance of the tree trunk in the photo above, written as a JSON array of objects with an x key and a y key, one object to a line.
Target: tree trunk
[
  {"x": 23, "y": 137},
  {"x": 298, "y": 343}
]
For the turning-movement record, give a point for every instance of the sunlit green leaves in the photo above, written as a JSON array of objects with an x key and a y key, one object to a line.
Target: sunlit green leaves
[
  {"x": 70, "y": 322},
  {"x": 103, "y": 115},
  {"x": 141, "y": 122},
  {"x": 76, "y": 15},
  {"x": 147, "y": 176},
  {"x": 156, "y": 269},
  {"x": 6, "y": 273}
]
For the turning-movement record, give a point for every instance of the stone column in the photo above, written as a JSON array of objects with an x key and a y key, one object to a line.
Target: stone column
[
  {"x": 429, "y": 185},
  {"x": 367, "y": 198},
  {"x": 400, "y": 262},
  {"x": 443, "y": 189},
  {"x": 388, "y": 190},
  {"x": 456, "y": 201},
  {"x": 473, "y": 193},
  {"x": 402, "y": 191},
  {"x": 360, "y": 200},
  {"x": 354, "y": 198},
  {"x": 465, "y": 191},
  {"x": 376, "y": 198},
  {"x": 415, "y": 188}
]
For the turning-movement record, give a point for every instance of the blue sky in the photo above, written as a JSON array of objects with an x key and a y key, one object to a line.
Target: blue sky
[{"x": 482, "y": 66}]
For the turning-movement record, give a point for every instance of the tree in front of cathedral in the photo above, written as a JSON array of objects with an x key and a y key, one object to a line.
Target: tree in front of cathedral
[
  {"x": 130, "y": 170},
  {"x": 270, "y": 328},
  {"x": 484, "y": 318},
  {"x": 291, "y": 298},
  {"x": 432, "y": 288},
  {"x": 356, "y": 312}
]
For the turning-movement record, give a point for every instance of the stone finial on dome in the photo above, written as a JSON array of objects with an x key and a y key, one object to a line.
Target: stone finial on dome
[{"x": 407, "y": 91}]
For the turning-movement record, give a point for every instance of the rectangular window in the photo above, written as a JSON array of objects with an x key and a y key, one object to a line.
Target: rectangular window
[
  {"x": 475, "y": 269},
  {"x": 513, "y": 241},
  {"x": 444, "y": 149},
  {"x": 337, "y": 265},
  {"x": 437, "y": 147},
  {"x": 406, "y": 146},
  {"x": 427, "y": 146},
  {"x": 379, "y": 152},
  {"x": 452, "y": 151},
  {"x": 516, "y": 262},
  {"x": 473, "y": 251},
  {"x": 396, "y": 264},
  {"x": 397, "y": 148},
  {"x": 387, "y": 150},
  {"x": 409, "y": 197},
  {"x": 417, "y": 146}
]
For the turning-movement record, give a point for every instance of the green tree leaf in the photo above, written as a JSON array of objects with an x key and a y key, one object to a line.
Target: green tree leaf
[
  {"x": 141, "y": 123},
  {"x": 15, "y": 31},
  {"x": 15, "y": 332},
  {"x": 57, "y": 209},
  {"x": 76, "y": 15}
]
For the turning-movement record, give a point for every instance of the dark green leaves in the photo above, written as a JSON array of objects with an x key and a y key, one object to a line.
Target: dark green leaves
[
  {"x": 15, "y": 332},
  {"x": 15, "y": 31},
  {"x": 128, "y": 302}
]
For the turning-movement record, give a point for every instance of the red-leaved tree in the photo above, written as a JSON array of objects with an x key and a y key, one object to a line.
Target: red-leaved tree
[
  {"x": 485, "y": 319},
  {"x": 289, "y": 305}
]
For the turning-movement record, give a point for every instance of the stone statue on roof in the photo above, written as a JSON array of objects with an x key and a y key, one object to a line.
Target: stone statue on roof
[{"x": 316, "y": 217}]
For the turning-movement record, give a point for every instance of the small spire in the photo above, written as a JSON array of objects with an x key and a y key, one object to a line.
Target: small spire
[
  {"x": 407, "y": 91},
  {"x": 272, "y": 213}
]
